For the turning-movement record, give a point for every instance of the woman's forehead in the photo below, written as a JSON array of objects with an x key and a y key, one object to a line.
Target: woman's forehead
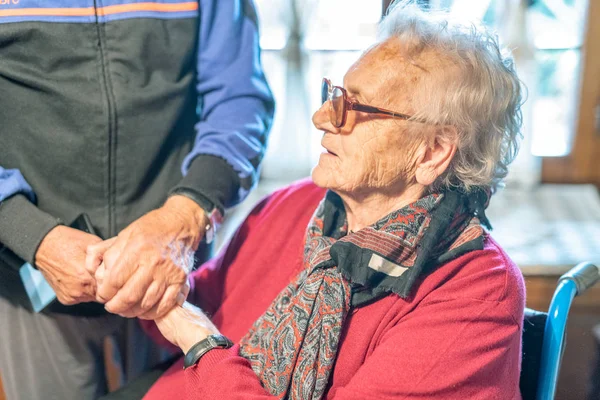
[{"x": 381, "y": 71}]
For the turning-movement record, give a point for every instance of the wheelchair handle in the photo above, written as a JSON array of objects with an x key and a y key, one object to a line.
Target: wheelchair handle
[{"x": 584, "y": 275}]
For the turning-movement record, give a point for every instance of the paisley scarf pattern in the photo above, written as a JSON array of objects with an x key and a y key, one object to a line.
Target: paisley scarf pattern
[{"x": 292, "y": 347}]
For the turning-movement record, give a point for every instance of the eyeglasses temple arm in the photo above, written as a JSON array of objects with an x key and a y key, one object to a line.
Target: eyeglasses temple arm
[{"x": 376, "y": 110}]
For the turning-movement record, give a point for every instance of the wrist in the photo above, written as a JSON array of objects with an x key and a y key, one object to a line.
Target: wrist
[
  {"x": 213, "y": 213},
  {"x": 191, "y": 214},
  {"x": 186, "y": 345},
  {"x": 186, "y": 341},
  {"x": 47, "y": 246},
  {"x": 190, "y": 325},
  {"x": 186, "y": 206}
]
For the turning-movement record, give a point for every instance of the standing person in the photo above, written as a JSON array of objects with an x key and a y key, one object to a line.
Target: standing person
[{"x": 151, "y": 117}]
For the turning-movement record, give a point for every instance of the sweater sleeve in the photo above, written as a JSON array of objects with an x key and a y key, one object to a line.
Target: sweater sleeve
[
  {"x": 235, "y": 105},
  {"x": 452, "y": 349},
  {"x": 23, "y": 226}
]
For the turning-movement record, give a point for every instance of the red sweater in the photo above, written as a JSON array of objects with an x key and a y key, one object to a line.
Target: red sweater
[{"x": 457, "y": 337}]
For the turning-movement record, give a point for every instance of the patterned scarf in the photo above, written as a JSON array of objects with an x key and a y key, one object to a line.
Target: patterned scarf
[{"x": 292, "y": 347}]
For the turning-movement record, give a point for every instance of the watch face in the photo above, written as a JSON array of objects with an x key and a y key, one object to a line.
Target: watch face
[
  {"x": 212, "y": 341},
  {"x": 220, "y": 341}
]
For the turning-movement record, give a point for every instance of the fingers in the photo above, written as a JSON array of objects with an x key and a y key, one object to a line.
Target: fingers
[
  {"x": 151, "y": 313},
  {"x": 105, "y": 291},
  {"x": 120, "y": 267},
  {"x": 166, "y": 303},
  {"x": 184, "y": 292},
  {"x": 127, "y": 301},
  {"x": 180, "y": 299},
  {"x": 151, "y": 298},
  {"x": 99, "y": 276},
  {"x": 144, "y": 298},
  {"x": 95, "y": 254}
]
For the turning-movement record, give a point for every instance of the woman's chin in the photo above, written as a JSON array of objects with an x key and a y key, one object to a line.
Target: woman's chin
[
  {"x": 317, "y": 175},
  {"x": 323, "y": 176}
]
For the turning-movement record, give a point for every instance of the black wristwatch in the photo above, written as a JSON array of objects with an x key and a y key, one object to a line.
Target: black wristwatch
[{"x": 203, "y": 347}]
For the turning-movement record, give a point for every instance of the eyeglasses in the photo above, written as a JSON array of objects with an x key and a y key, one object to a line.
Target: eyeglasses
[{"x": 340, "y": 105}]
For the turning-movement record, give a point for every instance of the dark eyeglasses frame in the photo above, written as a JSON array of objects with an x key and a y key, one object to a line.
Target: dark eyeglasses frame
[{"x": 349, "y": 105}]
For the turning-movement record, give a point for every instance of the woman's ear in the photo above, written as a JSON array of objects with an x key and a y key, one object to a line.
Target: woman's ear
[{"x": 437, "y": 155}]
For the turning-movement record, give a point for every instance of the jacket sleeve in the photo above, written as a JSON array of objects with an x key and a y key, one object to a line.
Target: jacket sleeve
[
  {"x": 448, "y": 349},
  {"x": 13, "y": 182},
  {"x": 235, "y": 105},
  {"x": 22, "y": 224}
]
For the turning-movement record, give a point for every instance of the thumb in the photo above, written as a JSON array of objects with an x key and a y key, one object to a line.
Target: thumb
[
  {"x": 99, "y": 276},
  {"x": 183, "y": 293},
  {"x": 95, "y": 254}
]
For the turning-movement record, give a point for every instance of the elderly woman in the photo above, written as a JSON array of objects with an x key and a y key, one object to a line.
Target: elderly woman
[{"x": 391, "y": 289}]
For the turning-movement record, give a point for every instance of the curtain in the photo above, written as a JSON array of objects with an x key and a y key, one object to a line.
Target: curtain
[
  {"x": 288, "y": 155},
  {"x": 513, "y": 29}
]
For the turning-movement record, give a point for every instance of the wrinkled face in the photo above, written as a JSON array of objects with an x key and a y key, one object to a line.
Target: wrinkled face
[{"x": 371, "y": 152}]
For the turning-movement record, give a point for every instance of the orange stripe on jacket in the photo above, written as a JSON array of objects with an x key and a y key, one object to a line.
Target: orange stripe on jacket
[
  {"x": 158, "y": 7},
  {"x": 102, "y": 11}
]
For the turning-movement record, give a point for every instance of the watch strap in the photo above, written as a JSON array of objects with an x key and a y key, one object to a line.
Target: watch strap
[{"x": 204, "y": 346}]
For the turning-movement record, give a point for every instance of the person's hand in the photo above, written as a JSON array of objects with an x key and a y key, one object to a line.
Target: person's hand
[
  {"x": 185, "y": 326},
  {"x": 61, "y": 259},
  {"x": 146, "y": 266}
]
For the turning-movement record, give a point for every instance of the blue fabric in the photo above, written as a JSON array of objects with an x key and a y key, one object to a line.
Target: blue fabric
[
  {"x": 235, "y": 102},
  {"x": 101, "y": 19},
  {"x": 148, "y": 14},
  {"x": 13, "y": 182}
]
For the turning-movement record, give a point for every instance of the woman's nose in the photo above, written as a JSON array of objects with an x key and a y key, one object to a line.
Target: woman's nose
[{"x": 321, "y": 119}]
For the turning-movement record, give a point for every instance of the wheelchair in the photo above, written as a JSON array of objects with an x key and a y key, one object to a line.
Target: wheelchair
[{"x": 544, "y": 334}]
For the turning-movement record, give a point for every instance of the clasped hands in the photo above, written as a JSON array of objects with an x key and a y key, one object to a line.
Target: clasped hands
[{"x": 142, "y": 272}]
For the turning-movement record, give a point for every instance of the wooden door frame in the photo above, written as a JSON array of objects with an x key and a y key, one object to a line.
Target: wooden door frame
[{"x": 582, "y": 165}]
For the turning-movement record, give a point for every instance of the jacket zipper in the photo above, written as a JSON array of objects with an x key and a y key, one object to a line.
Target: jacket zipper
[{"x": 112, "y": 122}]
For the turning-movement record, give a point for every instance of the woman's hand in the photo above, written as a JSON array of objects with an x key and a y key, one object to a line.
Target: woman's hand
[{"x": 185, "y": 325}]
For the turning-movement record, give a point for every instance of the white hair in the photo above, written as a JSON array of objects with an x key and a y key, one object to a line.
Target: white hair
[{"x": 475, "y": 89}]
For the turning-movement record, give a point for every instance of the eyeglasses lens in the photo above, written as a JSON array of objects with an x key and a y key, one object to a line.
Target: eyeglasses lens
[{"x": 337, "y": 107}]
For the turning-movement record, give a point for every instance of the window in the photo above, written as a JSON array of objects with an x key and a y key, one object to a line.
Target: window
[
  {"x": 546, "y": 39},
  {"x": 303, "y": 41}
]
